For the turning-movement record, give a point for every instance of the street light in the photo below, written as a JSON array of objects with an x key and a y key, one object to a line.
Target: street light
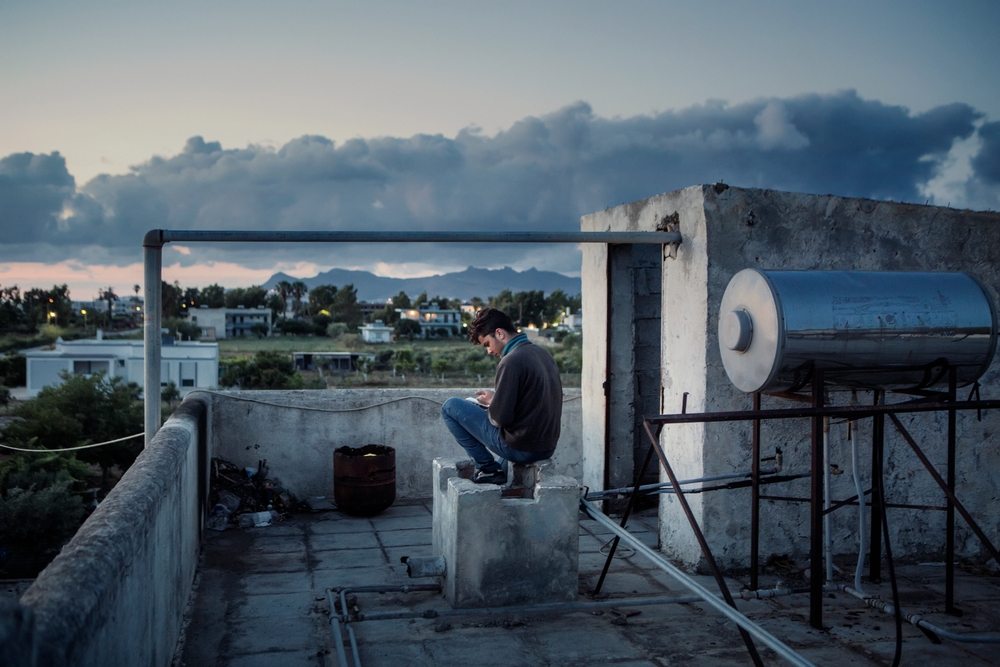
[
  {"x": 83, "y": 311},
  {"x": 51, "y": 315}
]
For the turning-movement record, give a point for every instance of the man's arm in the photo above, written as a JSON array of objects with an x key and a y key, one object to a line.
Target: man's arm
[{"x": 504, "y": 399}]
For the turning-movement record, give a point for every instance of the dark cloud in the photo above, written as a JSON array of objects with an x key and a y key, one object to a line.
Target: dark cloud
[
  {"x": 541, "y": 173},
  {"x": 987, "y": 162}
]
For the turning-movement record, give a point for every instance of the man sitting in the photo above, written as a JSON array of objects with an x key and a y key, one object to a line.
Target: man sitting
[{"x": 522, "y": 414}]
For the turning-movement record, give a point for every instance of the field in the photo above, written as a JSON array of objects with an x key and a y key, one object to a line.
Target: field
[{"x": 456, "y": 362}]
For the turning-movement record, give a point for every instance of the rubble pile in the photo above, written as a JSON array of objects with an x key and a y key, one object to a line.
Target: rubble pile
[{"x": 246, "y": 496}]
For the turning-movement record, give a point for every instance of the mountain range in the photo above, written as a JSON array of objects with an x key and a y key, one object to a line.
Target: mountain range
[{"x": 463, "y": 285}]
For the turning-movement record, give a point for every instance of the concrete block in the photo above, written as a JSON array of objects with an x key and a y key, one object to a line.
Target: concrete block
[{"x": 506, "y": 546}]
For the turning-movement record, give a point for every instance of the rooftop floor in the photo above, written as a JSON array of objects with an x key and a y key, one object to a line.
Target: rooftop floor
[{"x": 259, "y": 599}]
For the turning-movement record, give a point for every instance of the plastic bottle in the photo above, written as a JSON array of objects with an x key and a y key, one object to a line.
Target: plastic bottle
[{"x": 253, "y": 519}]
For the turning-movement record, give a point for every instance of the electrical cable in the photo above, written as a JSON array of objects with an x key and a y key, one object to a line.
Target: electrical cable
[
  {"x": 336, "y": 410},
  {"x": 897, "y": 613},
  {"x": 72, "y": 449}
]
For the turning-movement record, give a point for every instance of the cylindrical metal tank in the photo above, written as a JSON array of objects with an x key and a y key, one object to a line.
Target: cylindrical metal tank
[
  {"x": 364, "y": 479},
  {"x": 865, "y": 329}
]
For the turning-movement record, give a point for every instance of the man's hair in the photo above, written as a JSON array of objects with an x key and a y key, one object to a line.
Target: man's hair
[{"x": 487, "y": 321}]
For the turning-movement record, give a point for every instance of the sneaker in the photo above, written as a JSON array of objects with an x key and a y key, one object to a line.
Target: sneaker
[{"x": 490, "y": 476}]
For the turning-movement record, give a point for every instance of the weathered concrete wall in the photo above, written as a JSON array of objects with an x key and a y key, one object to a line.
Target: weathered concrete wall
[
  {"x": 297, "y": 432},
  {"x": 727, "y": 229},
  {"x": 506, "y": 551},
  {"x": 116, "y": 593}
]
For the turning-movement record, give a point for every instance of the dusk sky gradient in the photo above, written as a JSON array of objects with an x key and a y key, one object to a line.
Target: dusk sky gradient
[{"x": 118, "y": 118}]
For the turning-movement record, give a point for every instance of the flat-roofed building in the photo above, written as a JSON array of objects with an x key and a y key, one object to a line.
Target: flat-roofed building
[{"x": 189, "y": 365}]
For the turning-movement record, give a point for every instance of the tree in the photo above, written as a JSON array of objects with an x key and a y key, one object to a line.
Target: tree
[
  {"x": 401, "y": 301},
  {"x": 440, "y": 365},
  {"x": 405, "y": 363},
  {"x": 254, "y": 296},
  {"x": 191, "y": 298},
  {"x": 38, "y": 303},
  {"x": 170, "y": 299},
  {"x": 419, "y": 301},
  {"x": 345, "y": 307},
  {"x": 267, "y": 370},
  {"x": 284, "y": 289},
  {"x": 365, "y": 365},
  {"x": 298, "y": 290},
  {"x": 259, "y": 329},
  {"x": 170, "y": 393},
  {"x": 213, "y": 296},
  {"x": 407, "y": 329},
  {"x": 321, "y": 297},
  {"x": 108, "y": 294},
  {"x": 11, "y": 313},
  {"x": 555, "y": 304},
  {"x": 82, "y": 410},
  {"x": 277, "y": 306}
]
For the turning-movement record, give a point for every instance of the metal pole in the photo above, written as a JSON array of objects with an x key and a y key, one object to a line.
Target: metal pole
[
  {"x": 728, "y": 610},
  {"x": 654, "y": 441},
  {"x": 875, "y": 538},
  {"x": 949, "y": 551},
  {"x": 755, "y": 499},
  {"x": 243, "y": 236},
  {"x": 816, "y": 509},
  {"x": 152, "y": 269}
]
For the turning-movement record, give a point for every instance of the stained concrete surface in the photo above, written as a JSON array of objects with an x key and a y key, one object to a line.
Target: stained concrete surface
[{"x": 260, "y": 600}]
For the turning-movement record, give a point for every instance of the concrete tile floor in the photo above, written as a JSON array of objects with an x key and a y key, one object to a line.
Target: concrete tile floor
[{"x": 260, "y": 600}]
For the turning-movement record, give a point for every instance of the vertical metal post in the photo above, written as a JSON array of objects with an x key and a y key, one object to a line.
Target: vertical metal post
[
  {"x": 755, "y": 497},
  {"x": 152, "y": 275},
  {"x": 878, "y": 445},
  {"x": 949, "y": 550},
  {"x": 816, "y": 509}
]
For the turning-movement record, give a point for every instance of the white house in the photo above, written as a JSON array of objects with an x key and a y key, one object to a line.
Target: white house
[
  {"x": 434, "y": 322},
  {"x": 230, "y": 322},
  {"x": 376, "y": 333},
  {"x": 188, "y": 365}
]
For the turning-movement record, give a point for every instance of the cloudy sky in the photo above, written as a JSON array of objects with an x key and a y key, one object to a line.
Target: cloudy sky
[{"x": 119, "y": 117}]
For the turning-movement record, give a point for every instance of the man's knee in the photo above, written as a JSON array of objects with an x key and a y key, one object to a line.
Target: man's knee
[{"x": 448, "y": 408}]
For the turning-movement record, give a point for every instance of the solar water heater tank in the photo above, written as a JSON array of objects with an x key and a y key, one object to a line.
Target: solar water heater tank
[{"x": 865, "y": 329}]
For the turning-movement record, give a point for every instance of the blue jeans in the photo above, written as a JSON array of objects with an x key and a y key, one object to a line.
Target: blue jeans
[{"x": 470, "y": 424}]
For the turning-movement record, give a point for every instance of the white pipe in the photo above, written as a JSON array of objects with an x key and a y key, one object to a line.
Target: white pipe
[
  {"x": 919, "y": 621},
  {"x": 862, "y": 525},
  {"x": 827, "y": 501},
  {"x": 733, "y": 615}
]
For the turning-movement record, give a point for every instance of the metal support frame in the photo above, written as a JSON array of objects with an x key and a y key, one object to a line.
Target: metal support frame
[
  {"x": 816, "y": 413},
  {"x": 154, "y": 240}
]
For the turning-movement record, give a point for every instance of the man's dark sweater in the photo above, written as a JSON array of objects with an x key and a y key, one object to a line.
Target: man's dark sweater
[{"x": 527, "y": 399}]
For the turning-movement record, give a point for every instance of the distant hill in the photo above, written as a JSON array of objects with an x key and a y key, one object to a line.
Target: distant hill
[{"x": 464, "y": 285}]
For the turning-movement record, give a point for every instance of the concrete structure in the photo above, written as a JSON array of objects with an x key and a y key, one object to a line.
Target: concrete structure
[
  {"x": 189, "y": 365},
  {"x": 572, "y": 321},
  {"x": 218, "y": 323},
  {"x": 297, "y": 431},
  {"x": 334, "y": 362},
  {"x": 115, "y": 596},
  {"x": 128, "y": 306},
  {"x": 724, "y": 230},
  {"x": 434, "y": 322},
  {"x": 506, "y": 546},
  {"x": 376, "y": 333}
]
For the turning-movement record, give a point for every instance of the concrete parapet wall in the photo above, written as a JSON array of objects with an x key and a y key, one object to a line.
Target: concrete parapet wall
[
  {"x": 297, "y": 432},
  {"x": 115, "y": 595}
]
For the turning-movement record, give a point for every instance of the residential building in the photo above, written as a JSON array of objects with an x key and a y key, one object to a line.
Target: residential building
[
  {"x": 218, "y": 323},
  {"x": 189, "y": 365},
  {"x": 434, "y": 322},
  {"x": 376, "y": 333},
  {"x": 333, "y": 362}
]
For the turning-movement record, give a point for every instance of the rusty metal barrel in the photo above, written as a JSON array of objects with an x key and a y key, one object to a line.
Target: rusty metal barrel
[{"x": 364, "y": 479}]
